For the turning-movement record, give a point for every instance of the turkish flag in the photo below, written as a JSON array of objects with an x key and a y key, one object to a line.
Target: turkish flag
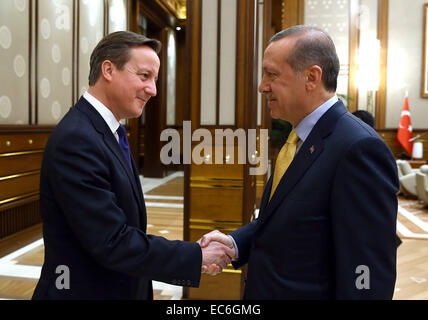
[{"x": 404, "y": 132}]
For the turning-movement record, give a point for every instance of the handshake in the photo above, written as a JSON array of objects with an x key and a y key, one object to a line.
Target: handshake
[{"x": 217, "y": 252}]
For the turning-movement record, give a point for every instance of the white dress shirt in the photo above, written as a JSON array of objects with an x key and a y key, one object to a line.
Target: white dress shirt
[{"x": 105, "y": 112}]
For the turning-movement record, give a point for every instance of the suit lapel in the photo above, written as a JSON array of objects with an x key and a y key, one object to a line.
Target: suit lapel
[
  {"x": 265, "y": 197},
  {"x": 143, "y": 215},
  {"x": 308, "y": 153},
  {"x": 111, "y": 142},
  {"x": 300, "y": 164}
]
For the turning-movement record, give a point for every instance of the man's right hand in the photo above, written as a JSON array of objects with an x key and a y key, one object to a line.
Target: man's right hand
[{"x": 217, "y": 238}]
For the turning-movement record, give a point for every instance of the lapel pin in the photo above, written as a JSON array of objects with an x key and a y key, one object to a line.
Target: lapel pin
[{"x": 312, "y": 149}]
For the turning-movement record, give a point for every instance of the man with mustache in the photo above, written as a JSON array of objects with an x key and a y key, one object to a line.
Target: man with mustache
[{"x": 326, "y": 228}]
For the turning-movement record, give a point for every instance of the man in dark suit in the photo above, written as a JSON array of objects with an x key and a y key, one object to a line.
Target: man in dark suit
[
  {"x": 326, "y": 228},
  {"x": 92, "y": 205}
]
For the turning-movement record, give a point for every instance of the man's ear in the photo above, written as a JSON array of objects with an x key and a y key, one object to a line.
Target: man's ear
[
  {"x": 313, "y": 77},
  {"x": 107, "y": 68}
]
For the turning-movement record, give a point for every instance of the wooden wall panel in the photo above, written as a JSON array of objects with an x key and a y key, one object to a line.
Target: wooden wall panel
[
  {"x": 21, "y": 153},
  {"x": 382, "y": 33},
  {"x": 229, "y": 282},
  {"x": 212, "y": 200},
  {"x": 15, "y": 219},
  {"x": 353, "y": 49},
  {"x": 20, "y": 163},
  {"x": 232, "y": 170},
  {"x": 15, "y": 142},
  {"x": 19, "y": 185},
  {"x": 292, "y": 13}
]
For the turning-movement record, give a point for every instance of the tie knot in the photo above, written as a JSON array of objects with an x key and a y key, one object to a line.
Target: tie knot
[
  {"x": 293, "y": 137},
  {"x": 121, "y": 131}
]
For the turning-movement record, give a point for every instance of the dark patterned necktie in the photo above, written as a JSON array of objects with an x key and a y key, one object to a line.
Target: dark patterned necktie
[{"x": 123, "y": 142}]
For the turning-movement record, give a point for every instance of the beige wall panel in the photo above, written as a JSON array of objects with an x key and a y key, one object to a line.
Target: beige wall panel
[
  {"x": 368, "y": 30},
  {"x": 333, "y": 17},
  {"x": 55, "y": 48},
  {"x": 14, "y": 57},
  {"x": 91, "y": 29},
  {"x": 405, "y": 24},
  {"x": 228, "y": 62},
  {"x": 117, "y": 15},
  {"x": 209, "y": 62},
  {"x": 171, "y": 79}
]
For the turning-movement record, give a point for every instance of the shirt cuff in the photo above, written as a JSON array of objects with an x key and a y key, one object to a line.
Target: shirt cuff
[{"x": 236, "y": 249}]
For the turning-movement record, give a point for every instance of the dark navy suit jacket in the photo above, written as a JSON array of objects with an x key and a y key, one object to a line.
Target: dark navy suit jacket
[
  {"x": 334, "y": 210},
  {"x": 94, "y": 219}
]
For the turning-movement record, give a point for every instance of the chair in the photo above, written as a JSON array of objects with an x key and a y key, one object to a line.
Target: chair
[
  {"x": 422, "y": 187},
  {"x": 407, "y": 177},
  {"x": 424, "y": 169}
]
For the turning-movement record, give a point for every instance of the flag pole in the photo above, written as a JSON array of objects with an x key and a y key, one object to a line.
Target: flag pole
[{"x": 418, "y": 136}]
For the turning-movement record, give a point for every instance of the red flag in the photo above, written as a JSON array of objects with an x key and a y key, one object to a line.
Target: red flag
[{"x": 404, "y": 132}]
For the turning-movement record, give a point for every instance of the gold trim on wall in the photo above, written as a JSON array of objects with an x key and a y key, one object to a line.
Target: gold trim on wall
[
  {"x": 214, "y": 179},
  {"x": 231, "y": 271},
  {"x": 11, "y": 154},
  {"x": 199, "y": 227},
  {"x": 216, "y": 221},
  {"x": 19, "y": 175},
  {"x": 27, "y": 195},
  {"x": 215, "y": 186}
]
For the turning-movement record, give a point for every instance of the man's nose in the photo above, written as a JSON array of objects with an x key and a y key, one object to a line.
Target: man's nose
[
  {"x": 151, "y": 89},
  {"x": 263, "y": 86}
]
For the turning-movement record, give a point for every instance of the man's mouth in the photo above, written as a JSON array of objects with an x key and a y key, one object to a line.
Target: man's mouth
[
  {"x": 142, "y": 100},
  {"x": 271, "y": 100}
]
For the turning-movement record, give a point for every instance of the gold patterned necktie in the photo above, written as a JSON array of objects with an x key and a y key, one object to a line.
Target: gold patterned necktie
[{"x": 284, "y": 159}]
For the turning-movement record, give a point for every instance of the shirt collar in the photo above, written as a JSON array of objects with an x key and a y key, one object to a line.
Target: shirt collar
[
  {"x": 105, "y": 112},
  {"x": 304, "y": 128}
]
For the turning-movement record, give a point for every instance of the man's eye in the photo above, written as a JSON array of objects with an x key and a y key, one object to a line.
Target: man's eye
[
  {"x": 269, "y": 74},
  {"x": 144, "y": 76}
]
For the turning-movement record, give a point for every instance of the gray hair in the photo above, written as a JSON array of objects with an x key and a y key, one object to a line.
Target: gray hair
[{"x": 315, "y": 47}]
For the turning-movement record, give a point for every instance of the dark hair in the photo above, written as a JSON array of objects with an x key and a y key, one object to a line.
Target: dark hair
[
  {"x": 116, "y": 47},
  {"x": 314, "y": 48},
  {"x": 365, "y": 116}
]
